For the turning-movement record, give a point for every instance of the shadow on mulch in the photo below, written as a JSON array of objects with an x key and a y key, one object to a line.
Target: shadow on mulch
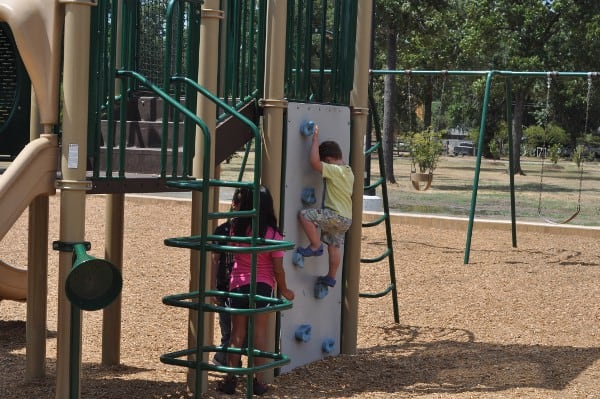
[
  {"x": 96, "y": 381},
  {"x": 423, "y": 360},
  {"x": 413, "y": 360}
]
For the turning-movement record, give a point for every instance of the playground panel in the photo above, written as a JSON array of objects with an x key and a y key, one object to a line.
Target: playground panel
[
  {"x": 322, "y": 316},
  {"x": 15, "y": 97}
]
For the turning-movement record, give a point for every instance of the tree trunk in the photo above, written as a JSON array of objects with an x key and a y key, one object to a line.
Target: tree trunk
[
  {"x": 517, "y": 130},
  {"x": 389, "y": 107}
]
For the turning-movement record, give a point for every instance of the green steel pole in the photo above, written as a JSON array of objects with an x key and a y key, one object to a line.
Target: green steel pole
[
  {"x": 511, "y": 160},
  {"x": 488, "y": 83}
]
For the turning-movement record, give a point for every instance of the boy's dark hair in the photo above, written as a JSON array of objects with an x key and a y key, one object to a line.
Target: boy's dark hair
[{"x": 330, "y": 149}]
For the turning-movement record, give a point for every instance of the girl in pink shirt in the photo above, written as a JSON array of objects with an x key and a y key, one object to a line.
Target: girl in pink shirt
[{"x": 269, "y": 272}]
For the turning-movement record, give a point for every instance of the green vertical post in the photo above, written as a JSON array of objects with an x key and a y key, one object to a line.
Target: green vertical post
[
  {"x": 511, "y": 160},
  {"x": 486, "y": 97}
]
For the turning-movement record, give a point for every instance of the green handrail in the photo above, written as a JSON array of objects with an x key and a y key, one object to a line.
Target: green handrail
[
  {"x": 203, "y": 243},
  {"x": 219, "y": 102},
  {"x": 167, "y": 98}
]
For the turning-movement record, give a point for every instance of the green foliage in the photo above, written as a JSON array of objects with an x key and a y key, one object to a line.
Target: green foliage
[
  {"x": 590, "y": 140},
  {"x": 577, "y": 155},
  {"x": 554, "y": 153},
  {"x": 537, "y": 136},
  {"x": 529, "y": 35},
  {"x": 496, "y": 144},
  {"x": 590, "y": 146},
  {"x": 426, "y": 147},
  {"x": 494, "y": 148},
  {"x": 534, "y": 136}
]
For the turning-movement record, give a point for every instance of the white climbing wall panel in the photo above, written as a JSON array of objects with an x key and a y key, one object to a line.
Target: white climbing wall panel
[{"x": 322, "y": 315}]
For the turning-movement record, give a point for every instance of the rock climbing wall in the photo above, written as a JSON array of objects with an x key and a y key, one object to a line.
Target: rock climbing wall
[{"x": 311, "y": 330}]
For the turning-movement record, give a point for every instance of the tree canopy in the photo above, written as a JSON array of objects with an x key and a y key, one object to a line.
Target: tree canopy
[{"x": 530, "y": 35}]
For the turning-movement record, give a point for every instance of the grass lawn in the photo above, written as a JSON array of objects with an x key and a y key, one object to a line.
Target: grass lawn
[
  {"x": 451, "y": 192},
  {"x": 555, "y": 197}
]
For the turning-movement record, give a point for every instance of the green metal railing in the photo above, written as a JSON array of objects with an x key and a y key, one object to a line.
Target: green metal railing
[
  {"x": 205, "y": 243},
  {"x": 122, "y": 42},
  {"x": 114, "y": 48},
  {"x": 321, "y": 44},
  {"x": 319, "y": 68},
  {"x": 243, "y": 57}
]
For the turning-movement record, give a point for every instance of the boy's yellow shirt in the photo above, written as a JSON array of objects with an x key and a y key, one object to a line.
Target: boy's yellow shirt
[{"x": 338, "y": 194}]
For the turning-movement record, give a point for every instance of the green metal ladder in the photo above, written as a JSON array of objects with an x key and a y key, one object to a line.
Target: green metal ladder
[
  {"x": 205, "y": 242},
  {"x": 388, "y": 253}
]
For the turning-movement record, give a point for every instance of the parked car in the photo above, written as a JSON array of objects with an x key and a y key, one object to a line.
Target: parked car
[
  {"x": 464, "y": 148},
  {"x": 592, "y": 152},
  {"x": 400, "y": 147}
]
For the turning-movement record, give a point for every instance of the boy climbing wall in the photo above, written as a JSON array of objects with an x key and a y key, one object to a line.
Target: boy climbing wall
[{"x": 335, "y": 217}]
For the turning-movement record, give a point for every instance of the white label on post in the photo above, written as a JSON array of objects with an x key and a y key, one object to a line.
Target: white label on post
[{"x": 73, "y": 157}]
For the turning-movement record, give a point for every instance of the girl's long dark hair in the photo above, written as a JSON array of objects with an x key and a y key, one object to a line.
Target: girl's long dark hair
[{"x": 266, "y": 218}]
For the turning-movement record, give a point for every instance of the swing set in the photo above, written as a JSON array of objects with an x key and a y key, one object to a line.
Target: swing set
[{"x": 489, "y": 76}]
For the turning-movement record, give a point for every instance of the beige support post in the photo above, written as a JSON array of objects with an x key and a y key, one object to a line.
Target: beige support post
[
  {"x": 359, "y": 101},
  {"x": 114, "y": 235},
  {"x": 274, "y": 106},
  {"x": 113, "y": 252},
  {"x": 37, "y": 275},
  {"x": 73, "y": 164},
  {"x": 206, "y": 110},
  {"x": 274, "y": 103}
]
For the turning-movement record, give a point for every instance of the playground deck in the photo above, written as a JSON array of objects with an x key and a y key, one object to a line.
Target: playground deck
[{"x": 514, "y": 323}]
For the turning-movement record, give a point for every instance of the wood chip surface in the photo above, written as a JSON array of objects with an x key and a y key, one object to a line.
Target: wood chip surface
[{"x": 513, "y": 323}]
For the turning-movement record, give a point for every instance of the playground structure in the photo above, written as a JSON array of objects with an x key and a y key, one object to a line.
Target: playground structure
[{"x": 207, "y": 100}]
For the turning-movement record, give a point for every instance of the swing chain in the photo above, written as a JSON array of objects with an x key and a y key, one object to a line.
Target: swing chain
[
  {"x": 588, "y": 99},
  {"x": 413, "y": 168},
  {"x": 440, "y": 111}
]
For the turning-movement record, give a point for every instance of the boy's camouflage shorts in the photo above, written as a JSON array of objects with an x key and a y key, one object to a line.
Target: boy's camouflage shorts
[{"x": 333, "y": 226}]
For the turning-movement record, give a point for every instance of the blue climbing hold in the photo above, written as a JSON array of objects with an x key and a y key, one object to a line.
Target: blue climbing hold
[
  {"x": 321, "y": 290},
  {"x": 303, "y": 332},
  {"x": 328, "y": 345},
  {"x": 308, "y": 196},
  {"x": 298, "y": 259},
  {"x": 307, "y": 128}
]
